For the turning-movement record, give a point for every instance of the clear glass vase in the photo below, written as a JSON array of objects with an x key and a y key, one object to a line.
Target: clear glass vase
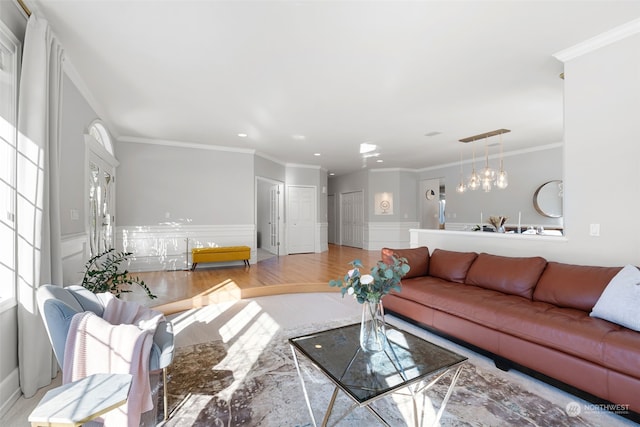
[{"x": 372, "y": 328}]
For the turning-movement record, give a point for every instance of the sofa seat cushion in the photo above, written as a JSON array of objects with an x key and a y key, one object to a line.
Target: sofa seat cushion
[
  {"x": 573, "y": 286},
  {"x": 621, "y": 351},
  {"x": 465, "y": 301},
  {"x": 515, "y": 276},
  {"x": 417, "y": 258},
  {"x": 451, "y": 265},
  {"x": 567, "y": 330}
]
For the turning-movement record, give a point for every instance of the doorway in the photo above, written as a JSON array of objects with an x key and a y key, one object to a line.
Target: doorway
[
  {"x": 332, "y": 234},
  {"x": 432, "y": 203},
  {"x": 352, "y": 219},
  {"x": 269, "y": 221}
]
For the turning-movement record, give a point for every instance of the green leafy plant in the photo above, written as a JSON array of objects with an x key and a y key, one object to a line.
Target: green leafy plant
[
  {"x": 104, "y": 274},
  {"x": 382, "y": 279}
]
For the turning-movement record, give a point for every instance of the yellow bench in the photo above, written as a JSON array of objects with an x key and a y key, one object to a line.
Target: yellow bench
[{"x": 220, "y": 254}]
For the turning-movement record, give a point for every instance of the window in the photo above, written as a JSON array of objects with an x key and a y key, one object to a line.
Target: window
[
  {"x": 9, "y": 61},
  {"x": 100, "y": 189},
  {"x": 101, "y": 135}
]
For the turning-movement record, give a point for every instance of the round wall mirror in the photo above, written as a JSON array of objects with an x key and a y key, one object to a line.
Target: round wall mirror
[{"x": 548, "y": 199}]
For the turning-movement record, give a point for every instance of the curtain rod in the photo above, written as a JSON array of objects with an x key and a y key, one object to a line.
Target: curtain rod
[{"x": 24, "y": 7}]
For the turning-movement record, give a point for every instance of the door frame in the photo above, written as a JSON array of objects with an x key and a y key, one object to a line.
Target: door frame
[
  {"x": 281, "y": 246},
  {"x": 96, "y": 153}
]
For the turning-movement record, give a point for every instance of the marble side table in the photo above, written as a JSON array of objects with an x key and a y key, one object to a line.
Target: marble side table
[{"x": 81, "y": 401}]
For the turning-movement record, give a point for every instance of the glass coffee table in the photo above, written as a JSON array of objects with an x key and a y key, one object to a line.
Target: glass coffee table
[{"x": 407, "y": 363}]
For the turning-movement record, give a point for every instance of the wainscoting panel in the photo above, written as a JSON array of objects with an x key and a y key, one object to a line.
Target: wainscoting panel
[
  {"x": 322, "y": 234},
  {"x": 75, "y": 253},
  {"x": 388, "y": 234},
  {"x": 168, "y": 247}
]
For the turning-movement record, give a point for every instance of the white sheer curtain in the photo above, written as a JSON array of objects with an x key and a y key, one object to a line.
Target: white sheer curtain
[{"x": 39, "y": 254}]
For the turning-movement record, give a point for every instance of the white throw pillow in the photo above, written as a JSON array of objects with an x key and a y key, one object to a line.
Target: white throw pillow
[{"x": 620, "y": 300}]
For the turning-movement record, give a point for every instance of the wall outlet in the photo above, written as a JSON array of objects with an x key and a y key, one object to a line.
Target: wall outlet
[
  {"x": 75, "y": 214},
  {"x": 594, "y": 229}
]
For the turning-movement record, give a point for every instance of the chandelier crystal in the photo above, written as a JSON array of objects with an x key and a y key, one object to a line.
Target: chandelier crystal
[
  {"x": 474, "y": 179},
  {"x": 502, "y": 179}
]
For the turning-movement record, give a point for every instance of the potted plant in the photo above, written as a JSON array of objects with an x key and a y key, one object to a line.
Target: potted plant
[{"x": 104, "y": 274}]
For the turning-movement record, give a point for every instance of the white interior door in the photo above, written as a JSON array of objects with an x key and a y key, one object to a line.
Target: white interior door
[
  {"x": 274, "y": 219},
  {"x": 331, "y": 219},
  {"x": 301, "y": 219},
  {"x": 352, "y": 219}
]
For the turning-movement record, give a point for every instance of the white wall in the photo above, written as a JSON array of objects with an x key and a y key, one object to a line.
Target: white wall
[
  {"x": 160, "y": 184},
  {"x": 602, "y": 154},
  {"x": 77, "y": 115}
]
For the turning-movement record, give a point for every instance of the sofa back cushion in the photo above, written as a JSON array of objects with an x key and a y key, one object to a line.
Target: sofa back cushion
[
  {"x": 515, "y": 276},
  {"x": 417, "y": 258},
  {"x": 573, "y": 286},
  {"x": 450, "y": 265}
]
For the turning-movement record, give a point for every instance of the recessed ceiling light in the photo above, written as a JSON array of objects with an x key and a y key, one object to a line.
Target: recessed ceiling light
[
  {"x": 332, "y": 173},
  {"x": 298, "y": 137},
  {"x": 367, "y": 147},
  {"x": 316, "y": 154},
  {"x": 242, "y": 135},
  {"x": 379, "y": 161}
]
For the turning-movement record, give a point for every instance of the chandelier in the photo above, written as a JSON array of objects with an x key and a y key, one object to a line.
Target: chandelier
[{"x": 488, "y": 177}]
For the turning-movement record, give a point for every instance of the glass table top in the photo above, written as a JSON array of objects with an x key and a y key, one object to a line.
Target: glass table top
[{"x": 405, "y": 360}]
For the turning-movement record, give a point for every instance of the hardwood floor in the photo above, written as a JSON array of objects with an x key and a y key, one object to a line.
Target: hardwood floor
[{"x": 181, "y": 290}]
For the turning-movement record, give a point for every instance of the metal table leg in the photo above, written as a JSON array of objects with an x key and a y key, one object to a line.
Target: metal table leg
[{"x": 304, "y": 387}]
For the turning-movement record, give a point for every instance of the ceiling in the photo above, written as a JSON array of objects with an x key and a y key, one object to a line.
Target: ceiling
[{"x": 306, "y": 77}]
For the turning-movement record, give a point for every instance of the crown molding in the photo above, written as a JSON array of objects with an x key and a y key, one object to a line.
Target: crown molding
[
  {"x": 608, "y": 37},
  {"x": 392, "y": 170},
  {"x": 298, "y": 165},
  {"x": 182, "y": 144}
]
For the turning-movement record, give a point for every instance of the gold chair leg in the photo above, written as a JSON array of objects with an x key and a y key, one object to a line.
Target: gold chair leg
[{"x": 165, "y": 397}]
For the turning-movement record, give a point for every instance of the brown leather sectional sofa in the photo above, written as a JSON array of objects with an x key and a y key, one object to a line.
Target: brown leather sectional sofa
[{"x": 528, "y": 311}]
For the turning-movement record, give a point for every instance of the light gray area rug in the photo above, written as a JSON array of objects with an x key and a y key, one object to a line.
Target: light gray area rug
[{"x": 248, "y": 378}]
